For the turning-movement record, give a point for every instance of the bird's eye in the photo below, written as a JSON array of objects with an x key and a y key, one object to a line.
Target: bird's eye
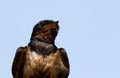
[{"x": 42, "y": 24}]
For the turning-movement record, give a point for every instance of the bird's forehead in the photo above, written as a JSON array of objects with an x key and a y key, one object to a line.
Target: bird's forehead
[
  {"x": 42, "y": 23},
  {"x": 45, "y": 22}
]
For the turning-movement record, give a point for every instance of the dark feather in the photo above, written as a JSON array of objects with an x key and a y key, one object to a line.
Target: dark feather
[{"x": 18, "y": 63}]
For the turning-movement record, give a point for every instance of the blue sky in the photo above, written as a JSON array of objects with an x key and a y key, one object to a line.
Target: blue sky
[{"x": 89, "y": 31}]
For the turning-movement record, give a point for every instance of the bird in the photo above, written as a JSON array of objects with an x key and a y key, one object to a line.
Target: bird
[{"x": 41, "y": 58}]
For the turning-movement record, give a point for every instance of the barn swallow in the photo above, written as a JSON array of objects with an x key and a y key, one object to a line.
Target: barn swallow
[{"x": 41, "y": 58}]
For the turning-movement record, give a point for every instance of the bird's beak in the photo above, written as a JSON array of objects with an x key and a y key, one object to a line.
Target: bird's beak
[{"x": 52, "y": 25}]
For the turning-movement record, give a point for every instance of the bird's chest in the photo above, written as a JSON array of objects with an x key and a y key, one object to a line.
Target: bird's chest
[{"x": 39, "y": 65}]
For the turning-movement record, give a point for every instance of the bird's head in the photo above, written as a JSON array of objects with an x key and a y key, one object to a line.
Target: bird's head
[{"x": 45, "y": 31}]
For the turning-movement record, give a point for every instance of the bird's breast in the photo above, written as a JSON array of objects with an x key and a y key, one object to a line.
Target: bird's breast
[{"x": 48, "y": 66}]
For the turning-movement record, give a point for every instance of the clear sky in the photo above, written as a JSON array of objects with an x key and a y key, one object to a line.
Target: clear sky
[{"x": 89, "y": 31}]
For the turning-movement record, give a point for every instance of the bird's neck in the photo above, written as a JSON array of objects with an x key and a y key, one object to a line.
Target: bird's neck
[{"x": 42, "y": 47}]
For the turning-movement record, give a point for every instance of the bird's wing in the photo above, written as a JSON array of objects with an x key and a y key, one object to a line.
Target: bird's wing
[
  {"x": 18, "y": 63},
  {"x": 64, "y": 58}
]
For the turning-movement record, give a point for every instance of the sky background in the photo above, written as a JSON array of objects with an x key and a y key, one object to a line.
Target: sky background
[{"x": 89, "y": 31}]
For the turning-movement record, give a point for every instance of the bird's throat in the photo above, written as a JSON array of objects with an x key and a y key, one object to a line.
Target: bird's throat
[{"x": 42, "y": 47}]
